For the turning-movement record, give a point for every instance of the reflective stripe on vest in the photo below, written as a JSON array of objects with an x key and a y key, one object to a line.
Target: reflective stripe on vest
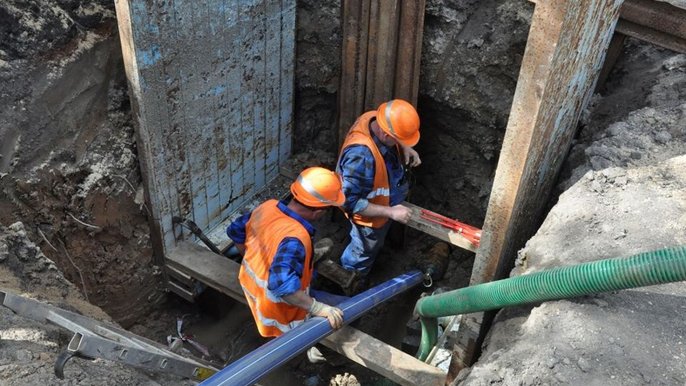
[
  {"x": 265, "y": 230},
  {"x": 379, "y": 192},
  {"x": 261, "y": 283},
  {"x": 359, "y": 134},
  {"x": 268, "y": 322}
]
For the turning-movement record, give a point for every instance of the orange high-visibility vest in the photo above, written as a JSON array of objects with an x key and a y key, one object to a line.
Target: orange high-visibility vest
[
  {"x": 265, "y": 230},
  {"x": 359, "y": 134}
]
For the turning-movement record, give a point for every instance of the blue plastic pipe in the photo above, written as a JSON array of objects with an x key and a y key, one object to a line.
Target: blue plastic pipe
[{"x": 250, "y": 368}]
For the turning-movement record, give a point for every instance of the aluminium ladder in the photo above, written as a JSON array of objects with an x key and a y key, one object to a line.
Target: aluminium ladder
[{"x": 93, "y": 339}]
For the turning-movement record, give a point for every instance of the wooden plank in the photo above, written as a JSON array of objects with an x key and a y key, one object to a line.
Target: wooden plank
[
  {"x": 234, "y": 124},
  {"x": 260, "y": 61},
  {"x": 206, "y": 266},
  {"x": 382, "y": 358},
  {"x": 411, "y": 32},
  {"x": 167, "y": 191},
  {"x": 381, "y": 52},
  {"x": 436, "y": 230},
  {"x": 215, "y": 97},
  {"x": 654, "y": 22},
  {"x": 273, "y": 86},
  {"x": 656, "y": 15},
  {"x": 247, "y": 96},
  {"x": 125, "y": 21},
  {"x": 173, "y": 125},
  {"x": 195, "y": 65},
  {"x": 613, "y": 52},
  {"x": 226, "y": 28},
  {"x": 214, "y": 91},
  {"x": 653, "y": 36},
  {"x": 287, "y": 79},
  {"x": 354, "y": 63}
]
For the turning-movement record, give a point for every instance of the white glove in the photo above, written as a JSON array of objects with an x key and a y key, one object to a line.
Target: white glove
[{"x": 333, "y": 314}]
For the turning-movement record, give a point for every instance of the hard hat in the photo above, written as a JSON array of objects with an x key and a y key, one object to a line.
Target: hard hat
[
  {"x": 399, "y": 119},
  {"x": 318, "y": 187}
]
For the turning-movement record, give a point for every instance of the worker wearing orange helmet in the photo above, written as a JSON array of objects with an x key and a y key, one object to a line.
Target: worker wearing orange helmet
[
  {"x": 276, "y": 242},
  {"x": 371, "y": 163}
]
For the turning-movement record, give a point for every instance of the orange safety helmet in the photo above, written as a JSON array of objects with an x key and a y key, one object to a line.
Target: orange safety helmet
[
  {"x": 399, "y": 119},
  {"x": 318, "y": 187}
]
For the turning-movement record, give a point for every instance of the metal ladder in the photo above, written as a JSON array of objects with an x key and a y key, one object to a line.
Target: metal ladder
[{"x": 93, "y": 339}]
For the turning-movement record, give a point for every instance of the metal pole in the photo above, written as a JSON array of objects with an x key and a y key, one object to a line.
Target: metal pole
[{"x": 250, "y": 368}]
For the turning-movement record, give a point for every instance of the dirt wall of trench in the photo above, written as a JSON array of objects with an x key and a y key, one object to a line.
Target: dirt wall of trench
[{"x": 68, "y": 166}]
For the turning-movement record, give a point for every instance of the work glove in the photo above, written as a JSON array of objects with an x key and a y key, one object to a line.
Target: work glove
[{"x": 333, "y": 314}]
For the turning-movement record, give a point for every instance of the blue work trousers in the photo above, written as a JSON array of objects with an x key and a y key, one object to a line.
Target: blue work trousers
[{"x": 365, "y": 244}]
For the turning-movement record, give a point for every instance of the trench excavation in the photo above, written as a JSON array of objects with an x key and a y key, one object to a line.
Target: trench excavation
[{"x": 76, "y": 213}]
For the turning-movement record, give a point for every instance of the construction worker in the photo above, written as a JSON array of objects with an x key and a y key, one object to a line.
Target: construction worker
[
  {"x": 371, "y": 163},
  {"x": 276, "y": 242}
]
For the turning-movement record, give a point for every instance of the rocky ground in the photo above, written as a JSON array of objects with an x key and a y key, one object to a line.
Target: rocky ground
[{"x": 623, "y": 194}]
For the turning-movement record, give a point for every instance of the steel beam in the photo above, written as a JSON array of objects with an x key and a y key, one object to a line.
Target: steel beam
[
  {"x": 563, "y": 57},
  {"x": 651, "y": 35},
  {"x": 657, "y": 15},
  {"x": 655, "y": 22}
]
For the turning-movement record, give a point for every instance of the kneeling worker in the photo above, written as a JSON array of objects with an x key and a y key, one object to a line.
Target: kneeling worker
[{"x": 276, "y": 241}]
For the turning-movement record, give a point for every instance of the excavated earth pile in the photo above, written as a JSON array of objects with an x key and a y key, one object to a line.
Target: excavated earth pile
[{"x": 625, "y": 193}]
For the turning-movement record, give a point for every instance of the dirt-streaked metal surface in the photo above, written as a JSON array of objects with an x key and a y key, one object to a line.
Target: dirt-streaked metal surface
[{"x": 212, "y": 91}]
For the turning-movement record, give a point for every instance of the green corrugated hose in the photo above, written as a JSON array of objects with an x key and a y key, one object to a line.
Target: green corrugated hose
[{"x": 649, "y": 268}]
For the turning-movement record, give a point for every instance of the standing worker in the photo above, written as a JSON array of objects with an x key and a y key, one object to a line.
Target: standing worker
[
  {"x": 276, "y": 242},
  {"x": 371, "y": 163}
]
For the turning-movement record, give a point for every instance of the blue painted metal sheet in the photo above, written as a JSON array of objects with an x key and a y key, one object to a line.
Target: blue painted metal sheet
[{"x": 212, "y": 89}]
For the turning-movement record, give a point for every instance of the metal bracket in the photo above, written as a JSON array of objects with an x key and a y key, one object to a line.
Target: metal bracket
[{"x": 62, "y": 360}]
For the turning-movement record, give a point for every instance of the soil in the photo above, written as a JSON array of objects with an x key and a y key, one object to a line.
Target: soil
[
  {"x": 68, "y": 163},
  {"x": 624, "y": 195}
]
